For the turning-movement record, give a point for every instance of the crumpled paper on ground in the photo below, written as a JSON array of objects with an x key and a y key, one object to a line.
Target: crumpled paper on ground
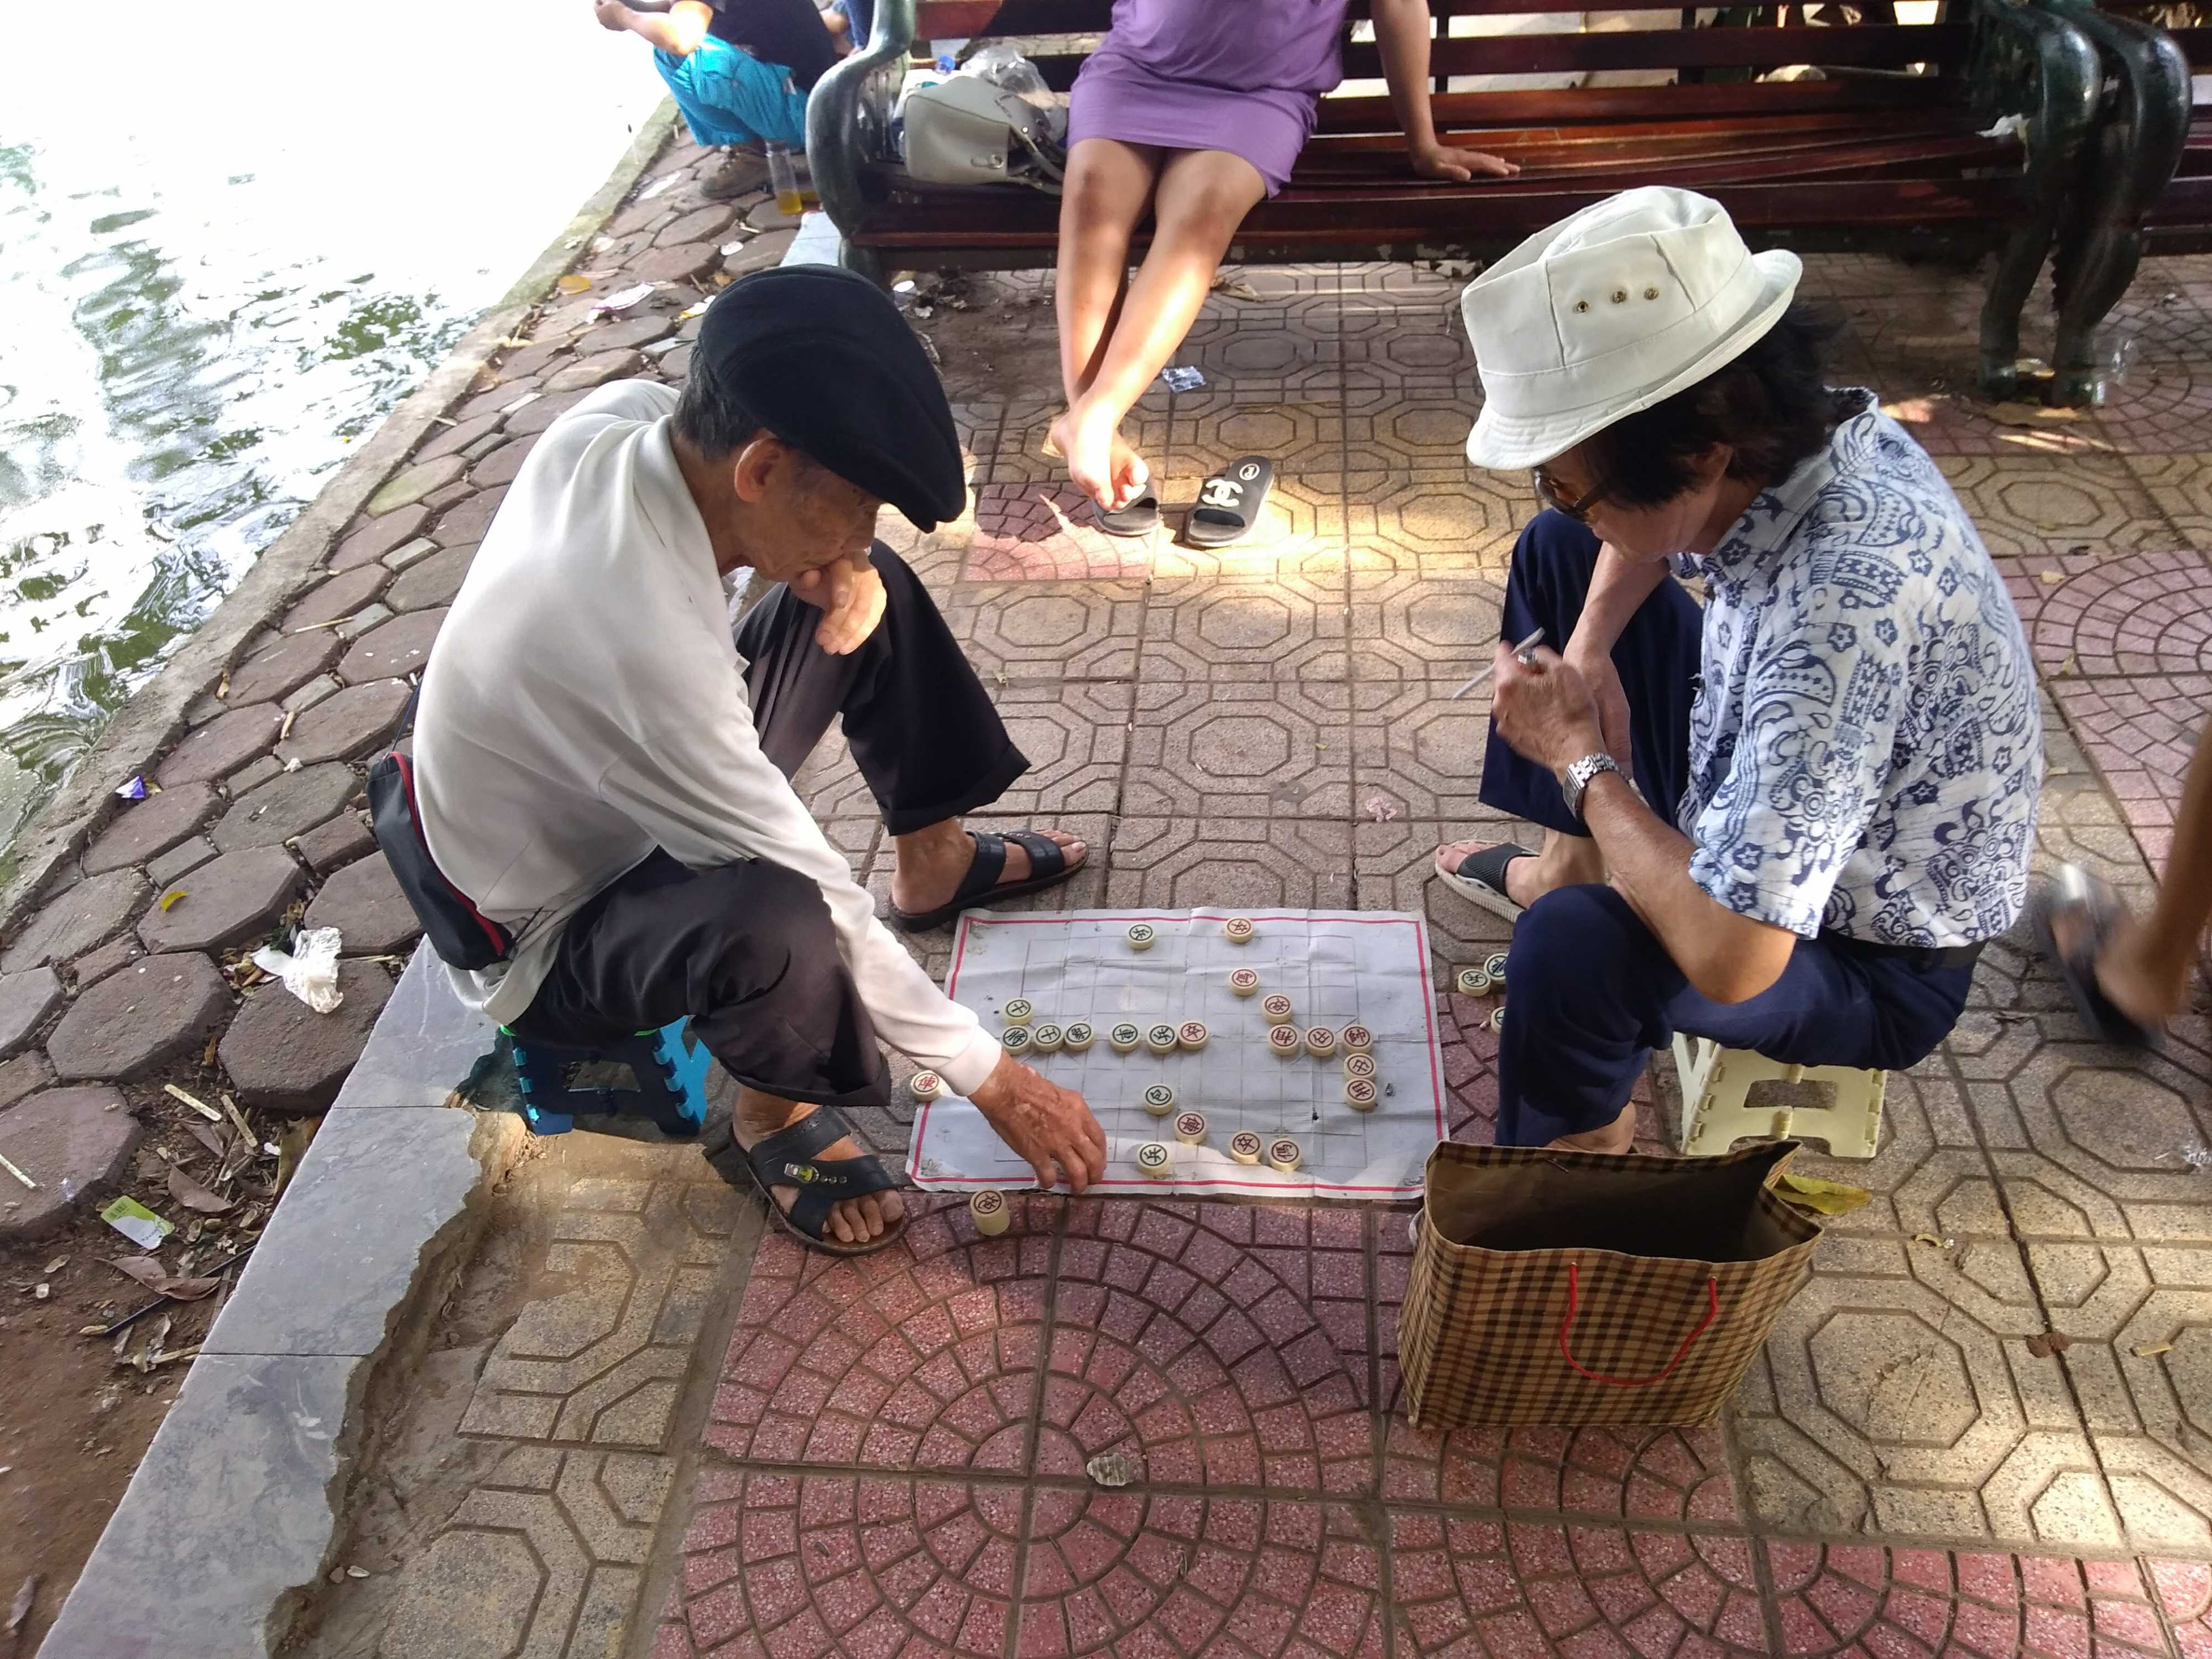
[{"x": 311, "y": 973}]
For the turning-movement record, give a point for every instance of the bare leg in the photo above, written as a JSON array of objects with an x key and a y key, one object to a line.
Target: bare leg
[
  {"x": 1618, "y": 1136},
  {"x": 2144, "y": 968},
  {"x": 1202, "y": 196},
  {"x": 1108, "y": 187},
  {"x": 856, "y": 1220}
]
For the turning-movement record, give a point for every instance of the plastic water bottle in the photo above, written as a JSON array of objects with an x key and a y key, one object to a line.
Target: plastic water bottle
[{"x": 793, "y": 180}]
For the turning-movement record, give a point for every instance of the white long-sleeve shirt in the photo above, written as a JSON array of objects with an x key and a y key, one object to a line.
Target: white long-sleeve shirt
[{"x": 584, "y": 703}]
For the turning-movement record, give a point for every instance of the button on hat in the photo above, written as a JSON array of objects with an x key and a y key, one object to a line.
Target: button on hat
[
  {"x": 824, "y": 360},
  {"x": 1608, "y": 313}
]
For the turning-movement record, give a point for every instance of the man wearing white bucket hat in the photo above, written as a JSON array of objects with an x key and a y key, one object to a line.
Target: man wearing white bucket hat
[{"x": 1841, "y": 756}]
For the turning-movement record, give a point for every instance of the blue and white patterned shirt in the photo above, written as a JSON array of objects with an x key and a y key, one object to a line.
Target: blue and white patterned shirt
[{"x": 1866, "y": 750}]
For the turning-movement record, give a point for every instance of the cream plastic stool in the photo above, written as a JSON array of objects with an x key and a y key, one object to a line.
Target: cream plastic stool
[{"x": 1715, "y": 1082}]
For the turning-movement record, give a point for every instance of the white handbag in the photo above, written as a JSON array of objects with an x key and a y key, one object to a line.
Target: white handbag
[{"x": 964, "y": 130}]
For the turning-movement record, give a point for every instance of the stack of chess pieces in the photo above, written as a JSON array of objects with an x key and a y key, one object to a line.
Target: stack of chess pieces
[{"x": 1025, "y": 1035}]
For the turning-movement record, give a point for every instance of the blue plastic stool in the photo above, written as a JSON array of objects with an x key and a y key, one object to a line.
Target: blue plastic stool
[{"x": 670, "y": 1066}]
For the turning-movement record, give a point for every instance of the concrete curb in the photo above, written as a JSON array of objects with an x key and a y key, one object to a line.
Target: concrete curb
[{"x": 155, "y": 713}]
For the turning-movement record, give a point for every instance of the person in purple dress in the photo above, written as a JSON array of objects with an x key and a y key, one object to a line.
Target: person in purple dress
[{"x": 1195, "y": 109}]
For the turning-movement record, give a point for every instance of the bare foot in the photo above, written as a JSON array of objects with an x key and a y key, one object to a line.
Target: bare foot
[
  {"x": 854, "y": 1220},
  {"x": 1527, "y": 878},
  {"x": 1616, "y": 1137},
  {"x": 2136, "y": 988},
  {"x": 1098, "y": 462},
  {"x": 929, "y": 864}
]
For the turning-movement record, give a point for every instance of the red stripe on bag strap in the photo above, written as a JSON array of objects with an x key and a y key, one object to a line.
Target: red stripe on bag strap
[
  {"x": 1574, "y": 1296},
  {"x": 492, "y": 930}
]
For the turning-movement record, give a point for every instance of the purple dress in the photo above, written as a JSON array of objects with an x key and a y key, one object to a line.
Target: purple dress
[{"x": 1242, "y": 76}]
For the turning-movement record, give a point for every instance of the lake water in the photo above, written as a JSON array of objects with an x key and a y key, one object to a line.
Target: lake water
[{"x": 230, "y": 240}]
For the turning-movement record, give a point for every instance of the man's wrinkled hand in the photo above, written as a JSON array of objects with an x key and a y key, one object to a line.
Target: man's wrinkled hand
[
  {"x": 1545, "y": 709},
  {"x": 1603, "y": 679},
  {"x": 1048, "y": 1126},
  {"x": 850, "y": 596}
]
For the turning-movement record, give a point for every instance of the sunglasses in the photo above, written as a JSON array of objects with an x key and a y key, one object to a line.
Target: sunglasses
[{"x": 1548, "y": 493}]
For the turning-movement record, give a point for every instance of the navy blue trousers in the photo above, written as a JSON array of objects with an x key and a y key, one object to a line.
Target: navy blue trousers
[{"x": 1593, "y": 990}]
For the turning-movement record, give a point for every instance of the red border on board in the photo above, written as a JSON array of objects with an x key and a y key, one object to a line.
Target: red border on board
[{"x": 1060, "y": 919}]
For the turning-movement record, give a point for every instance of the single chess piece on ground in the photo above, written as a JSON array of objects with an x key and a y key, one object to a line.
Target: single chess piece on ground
[
  {"x": 1124, "y": 1037},
  {"x": 1047, "y": 1039},
  {"x": 1154, "y": 1160},
  {"x": 1239, "y": 929},
  {"x": 1474, "y": 982},
  {"x": 1496, "y": 968},
  {"x": 1018, "y": 1011},
  {"x": 1141, "y": 935},
  {"x": 927, "y": 1085},
  {"x": 1320, "y": 1043},
  {"x": 1158, "y": 1100},
  {"x": 1017, "y": 1039},
  {"x": 1357, "y": 1039},
  {"x": 1190, "y": 1128},
  {"x": 1285, "y": 1041},
  {"x": 1244, "y": 1146},
  {"x": 1359, "y": 1066},
  {"x": 1077, "y": 1038},
  {"x": 1285, "y": 1154},
  {"x": 1361, "y": 1094},
  {"x": 1498, "y": 1018},
  {"x": 1243, "y": 982},
  {"x": 990, "y": 1212},
  {"x": 1191, "y": 1034},
  {"x": 1161, "y": 1039},
  {"x": 1277, "y": 1009}
]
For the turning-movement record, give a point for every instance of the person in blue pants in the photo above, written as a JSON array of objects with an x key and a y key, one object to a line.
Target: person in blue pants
[
  {"x": 1790, "y": 822},
  {"x": 740, "y": 71}
]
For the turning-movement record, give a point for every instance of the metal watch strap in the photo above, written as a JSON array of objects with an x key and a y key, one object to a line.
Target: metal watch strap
[{"x": 1578, "y": 778}]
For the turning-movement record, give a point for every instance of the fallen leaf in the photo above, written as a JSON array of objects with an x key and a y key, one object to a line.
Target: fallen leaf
[
  {"x": 207, "y": 1138},
  {"x": 56, "y": 1264},
  {"x": 19, "y": 1608},
  {"x": 1108, "y": 1470},
  {"x": 193, "y": 1196},
  {"x": 2050, "y": 578},
  {"x": 572, "y": 283},
  {"x": 2044, "y": 1343},
  {"x": 1930, "y": 1239},
  {"x": 292, "y": 1143},
  {"x": 1826, "y": 1197},
  {"x": 160, "y": 1280},
  {"x": 2152, "y": 1350},
  {"x": 172, "y": 897}
]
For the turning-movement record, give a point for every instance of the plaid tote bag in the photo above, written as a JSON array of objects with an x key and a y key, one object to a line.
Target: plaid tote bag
[{"x": 1563, "y": 1288}]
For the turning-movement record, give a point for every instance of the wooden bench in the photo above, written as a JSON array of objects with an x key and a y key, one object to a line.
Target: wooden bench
[{"x": 1877, "y": 155}]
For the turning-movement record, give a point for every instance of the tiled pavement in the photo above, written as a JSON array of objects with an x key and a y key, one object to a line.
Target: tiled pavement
[{"x": 887, "y": 1457}]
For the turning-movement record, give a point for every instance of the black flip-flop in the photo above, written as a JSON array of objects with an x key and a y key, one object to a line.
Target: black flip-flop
[
  {"x": 1481, "y": 878},
  {"x": 1228, "y": 502},
  {"x": 2069, "y": 887},
  {"x": 787, "y": 1159},
  {"x": 1139, "y": 517},
  {"x": 1048, "y": 867}
]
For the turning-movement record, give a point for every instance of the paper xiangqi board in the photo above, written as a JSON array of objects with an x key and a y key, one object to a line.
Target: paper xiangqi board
[{"x": 1337, "y": 967}]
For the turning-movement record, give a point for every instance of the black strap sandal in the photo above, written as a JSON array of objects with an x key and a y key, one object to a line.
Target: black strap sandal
[
  {"x": 1139, "y": 517},
  {"x": 1481, "y": 878},
  {"x": 2073, "y": 888},
  {"x": 787, "y": 1159},
  {"x": 1048, "y": 867},
  {"x": 1228, "y": 502}
]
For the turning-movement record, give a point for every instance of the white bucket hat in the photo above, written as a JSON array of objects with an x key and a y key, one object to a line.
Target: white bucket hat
[{"x": 1609, "y": 312}]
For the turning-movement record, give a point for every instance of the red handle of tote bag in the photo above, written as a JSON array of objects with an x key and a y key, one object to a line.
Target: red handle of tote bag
[{"x": 1574, "y": 1296}]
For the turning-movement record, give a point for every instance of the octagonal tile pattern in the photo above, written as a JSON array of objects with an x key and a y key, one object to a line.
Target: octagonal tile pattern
[{"x": 1046, "y": 532}]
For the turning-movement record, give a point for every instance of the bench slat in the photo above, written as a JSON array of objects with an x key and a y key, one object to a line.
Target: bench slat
[
  {"x": 950, "y": 19},
  {"x": 1341, "y": 150},
  {"x": 1464, "y": 215},
  {"x": 1462, "y": 111}
]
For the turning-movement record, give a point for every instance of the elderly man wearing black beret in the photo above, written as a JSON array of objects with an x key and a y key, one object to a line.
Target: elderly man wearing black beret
[{"x": 604, "y": 770}]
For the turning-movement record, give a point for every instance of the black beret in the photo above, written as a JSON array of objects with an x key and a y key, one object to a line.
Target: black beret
[{"x": 821, "y": 357}]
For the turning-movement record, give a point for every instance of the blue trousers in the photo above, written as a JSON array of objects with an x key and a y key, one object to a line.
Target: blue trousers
[
  {"x": 1593, "y": 990},
  {"x": 731, "y": 97}
]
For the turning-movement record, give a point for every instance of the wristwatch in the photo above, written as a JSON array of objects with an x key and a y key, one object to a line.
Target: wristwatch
[{"x": 1578, "y": 778}]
